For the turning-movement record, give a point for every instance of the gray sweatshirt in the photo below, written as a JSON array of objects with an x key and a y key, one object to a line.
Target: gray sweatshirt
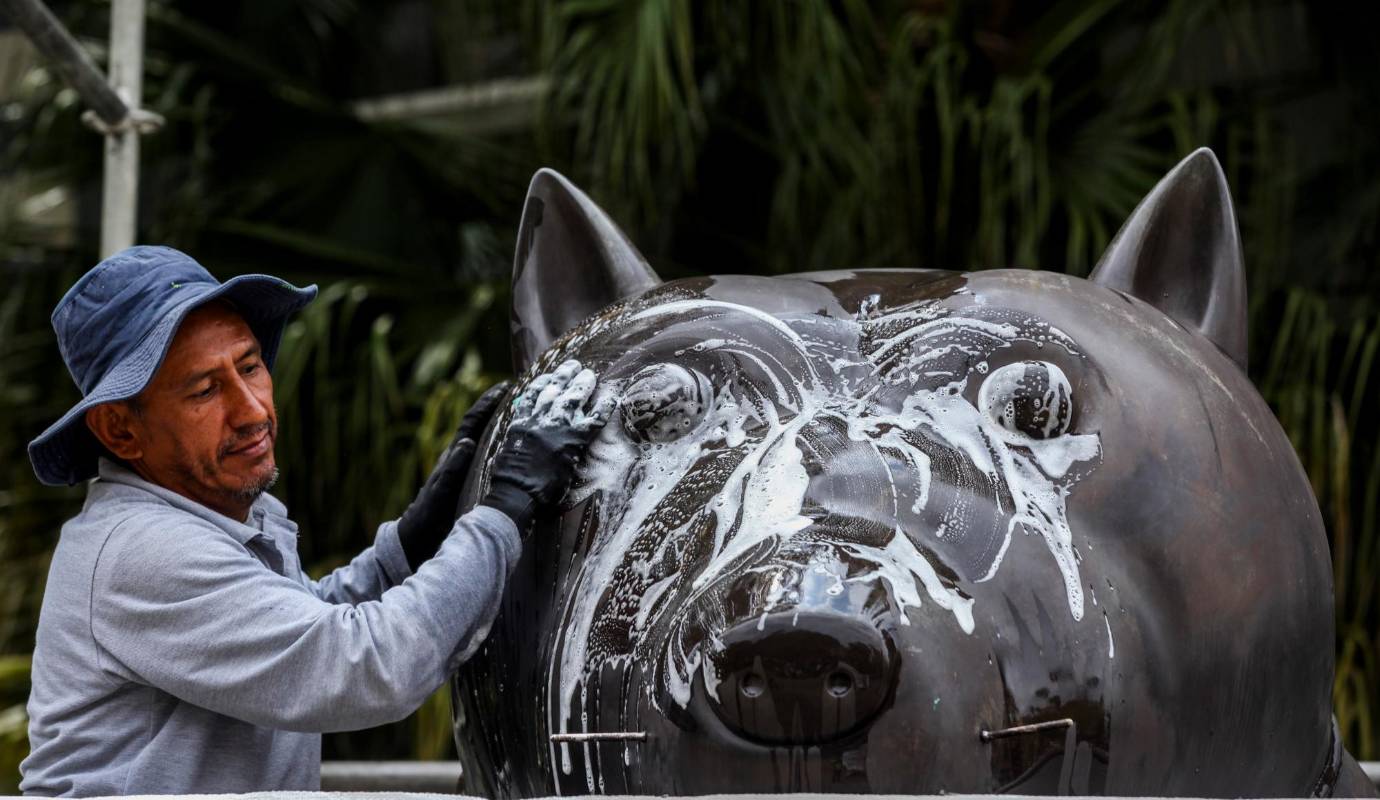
[{"x": 181, "y": 651}]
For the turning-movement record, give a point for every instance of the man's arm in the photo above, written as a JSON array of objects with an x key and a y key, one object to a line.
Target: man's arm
[
  {"x": 428, "y": 518},
  {"x": 404, "y": 544},
  {"x": 192, "y": 612},
  {"x": 377, "y": 568}
]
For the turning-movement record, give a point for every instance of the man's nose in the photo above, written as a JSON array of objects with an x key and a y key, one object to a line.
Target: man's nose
[{"x": 246, "y": 406}]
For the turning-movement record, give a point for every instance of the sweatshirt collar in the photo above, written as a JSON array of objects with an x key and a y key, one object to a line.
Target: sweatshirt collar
[{"x": 265, "y": 505}]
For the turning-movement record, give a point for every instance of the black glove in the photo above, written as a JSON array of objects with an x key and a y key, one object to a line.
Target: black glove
[
  {"x": 549, "y": 432},
  {"x": 428, "y": 520}
]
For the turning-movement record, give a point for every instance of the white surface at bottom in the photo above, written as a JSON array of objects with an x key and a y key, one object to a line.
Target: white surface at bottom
[{"x": 1372, "y": 770}]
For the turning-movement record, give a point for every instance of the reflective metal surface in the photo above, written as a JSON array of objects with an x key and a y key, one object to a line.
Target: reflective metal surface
[{"x": 910, "y": 532}]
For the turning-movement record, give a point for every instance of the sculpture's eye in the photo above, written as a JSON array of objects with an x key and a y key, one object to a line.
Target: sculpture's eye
[
  {"x": 1032, "y": 398},
  {"x": 664, "y": 402}
]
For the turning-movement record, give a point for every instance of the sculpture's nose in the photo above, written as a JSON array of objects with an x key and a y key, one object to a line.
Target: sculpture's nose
[{"x": 801, "y": 676}]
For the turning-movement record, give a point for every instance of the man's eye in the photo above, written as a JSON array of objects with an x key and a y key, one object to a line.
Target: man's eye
[
  {"x": 250, "y": 369},
  {"x": 205, "y": 392}
]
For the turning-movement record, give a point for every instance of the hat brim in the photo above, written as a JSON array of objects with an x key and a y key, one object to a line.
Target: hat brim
[{"x": 66, "y": 453}]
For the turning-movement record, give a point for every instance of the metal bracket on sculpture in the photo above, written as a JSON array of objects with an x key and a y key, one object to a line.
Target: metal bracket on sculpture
[{"x": 1019, "y": 730}]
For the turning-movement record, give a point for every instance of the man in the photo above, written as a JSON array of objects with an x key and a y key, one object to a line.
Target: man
[{"x": 180, "y": 647}]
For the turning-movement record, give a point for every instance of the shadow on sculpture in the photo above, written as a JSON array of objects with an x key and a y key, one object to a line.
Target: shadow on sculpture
[{"x": 912, "y": 532}]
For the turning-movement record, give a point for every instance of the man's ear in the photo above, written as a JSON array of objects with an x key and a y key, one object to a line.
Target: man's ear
[{"x": 112, "y": 425}]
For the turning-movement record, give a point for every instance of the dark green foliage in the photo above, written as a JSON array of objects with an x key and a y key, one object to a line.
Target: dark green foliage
[{"x": 729, "y": 137}]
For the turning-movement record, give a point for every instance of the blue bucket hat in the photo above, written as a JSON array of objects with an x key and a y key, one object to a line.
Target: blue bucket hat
[{"x": 114, "y": 327}]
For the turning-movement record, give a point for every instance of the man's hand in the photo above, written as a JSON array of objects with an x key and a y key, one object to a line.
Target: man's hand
[
  {"x": 549, "y": 433},
  {"x": 429, "y": 518}
]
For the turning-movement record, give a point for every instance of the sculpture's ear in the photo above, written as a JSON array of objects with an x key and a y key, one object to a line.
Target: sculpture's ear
[
  {"x": 1180, "y": 252},
  {"x": 571, "y": 261}
]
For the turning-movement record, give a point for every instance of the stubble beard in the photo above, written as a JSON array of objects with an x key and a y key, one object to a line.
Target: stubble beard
[
  {"x": 203, "y": 471},
  {"x": 249, "y": 493}
]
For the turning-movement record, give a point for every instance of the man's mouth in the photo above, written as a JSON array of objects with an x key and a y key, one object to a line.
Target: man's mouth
[{"x": 255, "y": 447}]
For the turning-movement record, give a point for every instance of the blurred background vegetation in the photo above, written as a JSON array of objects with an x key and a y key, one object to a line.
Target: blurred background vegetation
[{"x": 382, "y": 150}]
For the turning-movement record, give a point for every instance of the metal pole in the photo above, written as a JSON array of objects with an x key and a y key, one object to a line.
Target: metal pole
[
  {"x": 68, "y": 57},
  {"x": 120, "y": 196}
]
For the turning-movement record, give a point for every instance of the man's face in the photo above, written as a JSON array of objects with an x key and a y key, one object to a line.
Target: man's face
[{"x": 205, "y": 425}]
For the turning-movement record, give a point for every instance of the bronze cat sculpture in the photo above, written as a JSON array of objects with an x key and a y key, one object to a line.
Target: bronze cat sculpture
[{"x": 912, "y": 532}]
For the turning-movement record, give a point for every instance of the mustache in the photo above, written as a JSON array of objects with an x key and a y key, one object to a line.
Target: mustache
[{"x": 244, "y": 436}]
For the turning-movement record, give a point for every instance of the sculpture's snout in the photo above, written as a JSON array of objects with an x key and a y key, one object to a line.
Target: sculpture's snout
[{"x": 801, "y": 677}]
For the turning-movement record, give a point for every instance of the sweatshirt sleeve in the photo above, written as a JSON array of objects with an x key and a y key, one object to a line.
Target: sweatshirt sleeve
[
  {"x": 192, "y": 612},
  {"x": 374, "y": 571}
]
